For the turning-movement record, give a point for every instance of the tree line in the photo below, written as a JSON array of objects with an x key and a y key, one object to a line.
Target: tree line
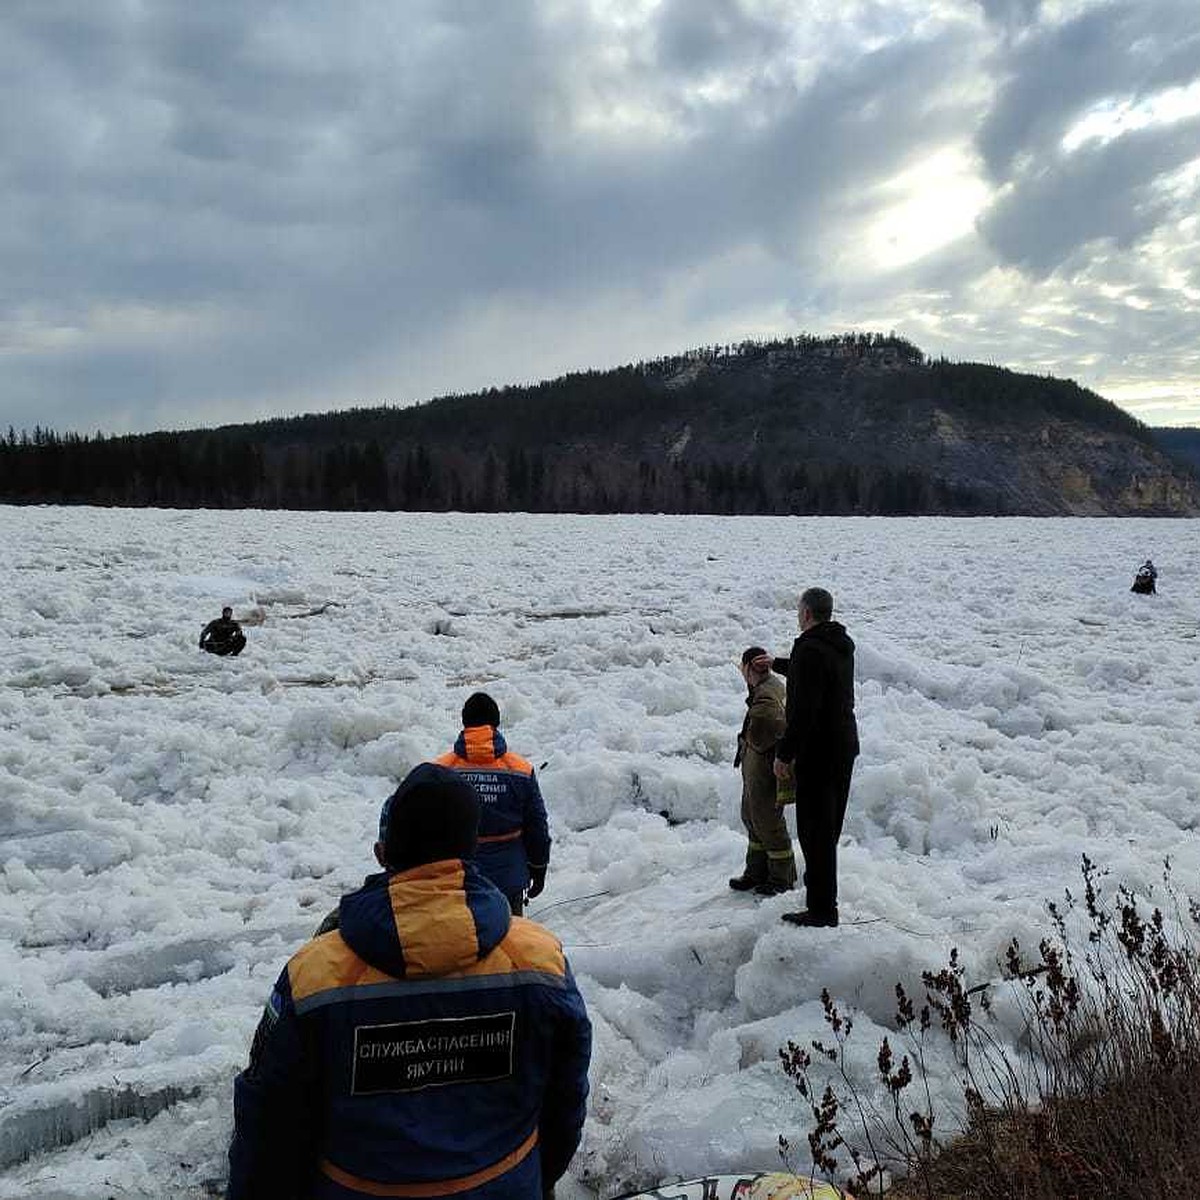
[
  {"x": 169, "y": 471},
  {"x": 591, "y": 441}
]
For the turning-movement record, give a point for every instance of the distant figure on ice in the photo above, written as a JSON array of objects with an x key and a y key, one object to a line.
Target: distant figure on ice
[
  {"x": 223, "y": 636},
  {"x": 429, "y": 1046},
  {"x": 818, "y": 747},
  {"x": 770, "y": 863},
  {"x": 1143, "y": 581},
  {"x": 514, "y": 836}
]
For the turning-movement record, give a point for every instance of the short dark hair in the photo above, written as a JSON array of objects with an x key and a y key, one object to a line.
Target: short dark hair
[
  {"x": 480, "y": 709},
  {"x": 748, "y": 656},
  {"x": 227, "y": 609},
  {"x": 818, "y": 602}
]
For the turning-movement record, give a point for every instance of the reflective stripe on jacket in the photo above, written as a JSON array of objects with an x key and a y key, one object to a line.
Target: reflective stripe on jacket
[
  {"x": 432, "y": 1045},
  {"x": 513, "y": 831}
]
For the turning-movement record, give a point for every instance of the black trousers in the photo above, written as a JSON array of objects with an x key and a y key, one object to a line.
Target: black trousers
[
  {"x": 234, "y": 646},
  {"x": 820, "y": 811}
]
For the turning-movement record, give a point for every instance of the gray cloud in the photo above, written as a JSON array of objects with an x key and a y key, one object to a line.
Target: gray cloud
[
  {"x": 215, "y": 210},
  {"x": 703, "y": 35},
  {"x": 1059, "y": 199},
  {"x": 1050, "y": 77},
  {"x": 1098, "y": 192},
  {"x": 1011, "y": 13}
]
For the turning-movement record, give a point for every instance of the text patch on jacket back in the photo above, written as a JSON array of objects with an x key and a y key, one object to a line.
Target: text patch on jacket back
[
  {"x": 411, "y": 1055},
  {"x": 487, "y": 784}
]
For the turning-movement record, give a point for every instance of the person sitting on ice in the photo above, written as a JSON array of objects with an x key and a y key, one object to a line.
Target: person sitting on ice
[
  {"x": 1143, "y": 581},
  {"x": 224, "y": 635},
  {"x": 514, "y": 836}
]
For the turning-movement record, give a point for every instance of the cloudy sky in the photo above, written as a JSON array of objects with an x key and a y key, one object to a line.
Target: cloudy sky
[{"x": 221, "y": 211}]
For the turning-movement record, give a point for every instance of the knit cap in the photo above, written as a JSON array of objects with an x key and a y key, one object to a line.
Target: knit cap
[
  {"x": 432, "y": 815},
  {"x": 480, "y": 709}
]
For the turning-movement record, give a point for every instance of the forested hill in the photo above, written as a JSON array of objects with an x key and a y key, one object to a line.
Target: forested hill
[
  {"x": 1183, "y": 444},
  {"x": 852, "y": 424}
]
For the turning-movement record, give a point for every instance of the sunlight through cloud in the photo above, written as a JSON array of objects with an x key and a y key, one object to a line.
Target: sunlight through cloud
[
  {"x": 1113, "y": 117},
  {"x": 928, "y": 206}
]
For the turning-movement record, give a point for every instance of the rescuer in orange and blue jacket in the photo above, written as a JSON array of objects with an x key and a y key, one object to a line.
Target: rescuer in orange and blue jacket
[
  {"x": 431, "y": 1045},
  {"x": 514, "y": 838}
]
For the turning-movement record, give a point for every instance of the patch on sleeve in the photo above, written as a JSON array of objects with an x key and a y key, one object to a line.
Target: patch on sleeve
[
  {"x": 273, "y": 1009},
  {"x": 411, "y": 1055}
]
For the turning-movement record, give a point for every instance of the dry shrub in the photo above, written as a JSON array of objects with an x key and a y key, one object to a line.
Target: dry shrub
[{"x": 1103, "y": 1098}]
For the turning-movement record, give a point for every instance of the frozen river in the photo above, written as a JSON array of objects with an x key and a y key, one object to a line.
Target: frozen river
[{"x": 173, "y": 825}]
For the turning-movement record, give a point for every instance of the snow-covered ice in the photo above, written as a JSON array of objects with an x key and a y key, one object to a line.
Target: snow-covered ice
[{"x": 173, "y": 825}]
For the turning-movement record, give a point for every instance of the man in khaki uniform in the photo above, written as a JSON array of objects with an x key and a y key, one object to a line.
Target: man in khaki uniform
[{"x": 770, "y": 863}]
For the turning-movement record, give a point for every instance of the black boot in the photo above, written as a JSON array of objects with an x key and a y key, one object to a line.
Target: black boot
[
  {"x": 772, "y": 887},
  {"x": 811, "y": 920},
  {"x": 744, "y": 883}
]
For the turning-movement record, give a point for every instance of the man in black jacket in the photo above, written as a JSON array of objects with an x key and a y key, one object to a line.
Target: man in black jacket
[
  {"x": 1143, "y": 581},
  {"x": 223, "y": 635},
  {"x": 818, "y": 747}
]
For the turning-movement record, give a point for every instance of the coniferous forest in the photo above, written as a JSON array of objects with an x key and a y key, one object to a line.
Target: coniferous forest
[{"x": 852, "y": 424}]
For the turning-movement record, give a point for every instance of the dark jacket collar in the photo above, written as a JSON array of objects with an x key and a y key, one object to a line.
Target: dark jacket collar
[{"x": 831, "y": 634}]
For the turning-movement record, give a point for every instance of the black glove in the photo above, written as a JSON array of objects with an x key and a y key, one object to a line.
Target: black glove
[{"x": 537, "y": 881}]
